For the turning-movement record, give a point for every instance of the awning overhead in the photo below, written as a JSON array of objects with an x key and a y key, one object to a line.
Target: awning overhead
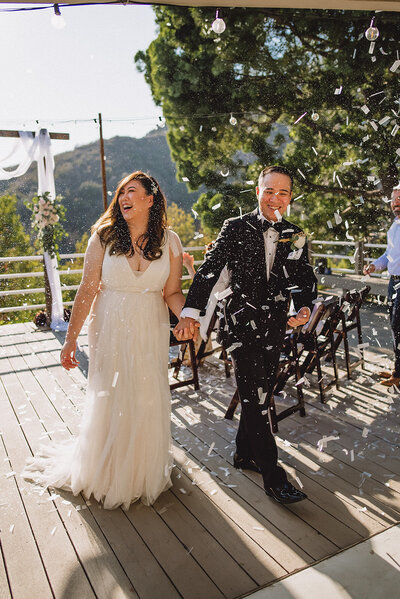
[{"x": 366, "y": 5}]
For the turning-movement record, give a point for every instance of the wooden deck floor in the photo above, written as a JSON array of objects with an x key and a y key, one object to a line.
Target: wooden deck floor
[{"x": 215, "y": 534}]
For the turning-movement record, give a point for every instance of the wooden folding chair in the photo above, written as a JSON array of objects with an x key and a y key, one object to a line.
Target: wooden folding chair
[
  {"x": 203, "y": 353},
  {"x": 177, "y": 363},
  {"x": 302, "y": 350},
  {"x": 350, "y": 319},
  {"x": 289, "y": 365}
]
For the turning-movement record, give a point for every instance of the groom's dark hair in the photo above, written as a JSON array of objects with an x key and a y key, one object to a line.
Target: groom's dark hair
[{"x": 276, "y": 169}]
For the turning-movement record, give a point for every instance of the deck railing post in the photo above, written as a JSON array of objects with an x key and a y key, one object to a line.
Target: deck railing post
[
  {"x": 47, "y": 294},
  {"x": 359, "y": 257}
]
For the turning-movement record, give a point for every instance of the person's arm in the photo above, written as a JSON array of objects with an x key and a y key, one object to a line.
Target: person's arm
[
  {"x": 377, "y": 265},
  {"x": 188, "y": 263},
  {"x": 306, "y": 293},
  {"x": 83, "y": 300},
  {"x": 206, "y": 277},
  {"x": 172, "y": 292}
]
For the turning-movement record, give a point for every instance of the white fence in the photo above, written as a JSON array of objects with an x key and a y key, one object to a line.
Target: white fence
[{"x": 356, "y": 259}]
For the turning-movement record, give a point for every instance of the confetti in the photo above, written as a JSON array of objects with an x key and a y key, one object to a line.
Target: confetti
[
  {"x": 365, "y": 432},
  {"x": 300, "y": 117},
  {"x": 11, "y": 529},
  {"x": 115, "y": 379},
  {"x": 211, "y": 448},
  {"x": 395, "y": 66},
  {"x": 365, "y": 109},
  {"x": 216, "y": 206}
]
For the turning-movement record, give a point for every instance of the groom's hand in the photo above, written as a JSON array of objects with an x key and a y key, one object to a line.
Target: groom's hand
[
  {"x": 302, "y": 316},
  {"x": 187, "y": 328}
]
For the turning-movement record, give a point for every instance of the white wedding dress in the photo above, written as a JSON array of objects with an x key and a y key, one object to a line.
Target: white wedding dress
[{"x": 123, "y": 451}]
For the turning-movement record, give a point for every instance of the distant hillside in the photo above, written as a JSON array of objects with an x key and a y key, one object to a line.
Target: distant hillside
[{"x": 78, "y": 179}]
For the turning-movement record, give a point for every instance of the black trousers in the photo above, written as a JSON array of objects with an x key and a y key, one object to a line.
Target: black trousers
[
  {"x": 255, "y": 372},
  {"x": 394, "y": 314}
]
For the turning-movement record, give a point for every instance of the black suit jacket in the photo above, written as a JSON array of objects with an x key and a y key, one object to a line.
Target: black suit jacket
[{"x": 256, "y": 311}]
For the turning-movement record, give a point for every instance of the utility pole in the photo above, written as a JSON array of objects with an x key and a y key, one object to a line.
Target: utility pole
[{"x": 103, "y": 163}]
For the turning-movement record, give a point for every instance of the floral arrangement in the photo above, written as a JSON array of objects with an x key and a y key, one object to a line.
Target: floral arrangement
[
  {"x": 47, "y": 215},
  {"x": 297, "y": 241}
]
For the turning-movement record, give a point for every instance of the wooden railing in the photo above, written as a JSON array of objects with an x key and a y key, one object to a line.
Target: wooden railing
[
  {"x": 356, "y": 260},
  {"x": 4, "y": 293}
]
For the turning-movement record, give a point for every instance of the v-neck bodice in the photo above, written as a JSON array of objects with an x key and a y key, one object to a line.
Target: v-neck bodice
[{"x": 118, "y": 275}]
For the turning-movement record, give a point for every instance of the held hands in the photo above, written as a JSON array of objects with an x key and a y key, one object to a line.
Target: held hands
[
  {"x": 369, "y": 269},
  {"x": 67, "y": 356},
  {"x": 187, "y": 328},
  {"x": 300, "y": 318}
]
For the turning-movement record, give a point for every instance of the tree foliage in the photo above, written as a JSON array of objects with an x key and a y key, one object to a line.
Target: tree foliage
[{"x": 281, "y": 66}]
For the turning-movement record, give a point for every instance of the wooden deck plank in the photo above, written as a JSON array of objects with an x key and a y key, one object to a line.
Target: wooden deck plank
[
  {"x": 221, "y": 537},
  {"x": 313, "y": 516},
  {"x": 231, "y": 579},
  {"x": 22, "y": 558},
  {"x": 183, "y": 570},
  {"x": 285, "y": 524},
  {"x": 269, "y": 538},
  {"x": 339, "y": 491},
  {"x": 226, "y": 527},
  {"x": 4, "y": 587},
  {"x": 174, "y": 548},
  {"x": 94, "y": 553}
]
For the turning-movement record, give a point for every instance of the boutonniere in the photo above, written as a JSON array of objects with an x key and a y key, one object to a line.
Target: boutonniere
[{"x": 297, "y": 241}]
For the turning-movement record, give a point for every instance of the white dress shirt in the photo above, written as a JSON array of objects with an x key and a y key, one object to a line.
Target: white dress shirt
[
  {"x": 390, "y": 259},
  {"x": 271, "y": 237}
]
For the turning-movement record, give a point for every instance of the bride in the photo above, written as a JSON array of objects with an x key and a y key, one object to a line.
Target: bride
[{"x": 132, "y": 275}]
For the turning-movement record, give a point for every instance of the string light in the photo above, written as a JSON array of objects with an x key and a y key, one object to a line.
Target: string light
[
  {"x": 372, "y": 33},
  {"x": 233, "y": 120},
  {"x": 57, "y": 20},
  {"x": 218, "y": 25}
]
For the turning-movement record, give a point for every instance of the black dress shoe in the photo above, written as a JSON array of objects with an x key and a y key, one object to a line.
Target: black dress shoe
[
  {"x": 245, "y": 463},
  {"x": 287, "y": 493}
]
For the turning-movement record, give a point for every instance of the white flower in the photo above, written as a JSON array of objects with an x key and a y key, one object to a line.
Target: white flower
[{"x": 298, "y": 240}]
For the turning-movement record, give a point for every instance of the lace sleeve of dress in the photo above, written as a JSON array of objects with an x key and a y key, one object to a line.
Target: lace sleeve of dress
[{"x": 175, "y": 243}]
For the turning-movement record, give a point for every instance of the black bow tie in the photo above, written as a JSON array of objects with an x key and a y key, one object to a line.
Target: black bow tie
[{"x": 265, "y": 225}]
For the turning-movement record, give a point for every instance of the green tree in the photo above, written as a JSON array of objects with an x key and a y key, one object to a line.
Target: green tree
[
  {"x": 15, "y": 242},
  {"x": 311, "y": 71},
  {"x": 182, "y": 223}
]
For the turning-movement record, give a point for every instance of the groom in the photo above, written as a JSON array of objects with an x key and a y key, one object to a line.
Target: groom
[{"x": 268, "y": 265}]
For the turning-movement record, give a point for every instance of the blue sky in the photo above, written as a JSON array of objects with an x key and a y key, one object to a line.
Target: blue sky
[{"x": 74, "y": 73}]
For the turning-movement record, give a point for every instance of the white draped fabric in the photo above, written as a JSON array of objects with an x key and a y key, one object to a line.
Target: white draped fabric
[{"x": 38, "y": 148}]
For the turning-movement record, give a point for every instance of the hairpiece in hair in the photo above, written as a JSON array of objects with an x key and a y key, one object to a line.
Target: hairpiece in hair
[{"x": 154, "y": 187}]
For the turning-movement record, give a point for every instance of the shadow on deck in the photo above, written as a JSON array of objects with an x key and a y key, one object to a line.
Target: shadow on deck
[{"x": 215, "y": 533}]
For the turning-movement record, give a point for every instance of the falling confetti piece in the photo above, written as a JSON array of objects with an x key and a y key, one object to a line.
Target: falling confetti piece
[
  {"x": 365, "y": 432},
  {"x": 216, "y": 206},
  {"x": 115, "y": 379},
  {"x": 300, "y": 117},
  {"x": 11, "y": 529},
  {"x": 211, "y": 448},
  {"x": 395, "y": 66},
  {"x": 53, "y": 531}
]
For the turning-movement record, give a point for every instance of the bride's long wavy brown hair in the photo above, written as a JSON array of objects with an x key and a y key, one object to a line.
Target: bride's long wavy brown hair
[{"x": 113, "y": 229}]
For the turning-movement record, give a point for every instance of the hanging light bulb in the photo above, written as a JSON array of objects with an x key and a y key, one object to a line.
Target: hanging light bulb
[
  {"x": 218, "y": 25},
  {"x": 315, "y": 116},
  {"x": 57, "y": 20},
  {"x": 372, "y": 33},
  {"x": 233, "y": 120}
]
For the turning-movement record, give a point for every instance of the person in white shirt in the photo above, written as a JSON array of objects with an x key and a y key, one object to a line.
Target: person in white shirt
[{"x": 390, "y": 260}]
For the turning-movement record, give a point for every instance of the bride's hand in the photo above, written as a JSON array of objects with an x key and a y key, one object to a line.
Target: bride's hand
[{"x": 67, "y": 356}]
